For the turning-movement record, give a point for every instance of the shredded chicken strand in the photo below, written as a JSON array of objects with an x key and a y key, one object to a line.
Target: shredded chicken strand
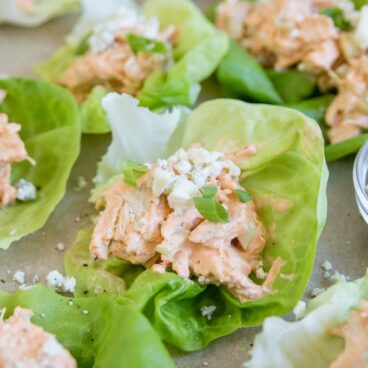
[
  {"x": 355, "y": 333},
  {"x": 12, "y": 150},
  {"x": 23, "y": 344},
  {"x": 118, "y": 68}
]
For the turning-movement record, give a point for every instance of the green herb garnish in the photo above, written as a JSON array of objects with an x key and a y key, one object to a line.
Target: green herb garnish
[
  {"x": 337, "y": 15},
  {"x": 83, "y": 46},
  {"x": 211, "y": 209},
  {"x": 132, "y": 171},
  {"x": 144, "y": 44},
  {"x": 208, "y": 191},
  {"x": 243, "y": 196}
]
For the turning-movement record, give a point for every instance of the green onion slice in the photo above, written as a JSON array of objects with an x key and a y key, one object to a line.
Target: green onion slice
[
  {"x": 133, "y": 171},
  {"x": 211, "y": 209},
  {"x": 144, "y": 44},
  {"x": 243, "y": 196},
  {"x": 208, "y": 191}
]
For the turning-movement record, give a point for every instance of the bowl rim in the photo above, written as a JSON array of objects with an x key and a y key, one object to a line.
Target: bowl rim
[{"x": 360, "y": 176}]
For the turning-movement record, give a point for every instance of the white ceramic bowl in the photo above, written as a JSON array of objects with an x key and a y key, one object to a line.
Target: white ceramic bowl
[{"x": 360, "y": 177}]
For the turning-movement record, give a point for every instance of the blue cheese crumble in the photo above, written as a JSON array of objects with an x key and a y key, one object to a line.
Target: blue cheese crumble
[
  {"x": 183, "y": 174},
  {"x": 26, "y": 191},
  {"x": 57, "y": 282}
]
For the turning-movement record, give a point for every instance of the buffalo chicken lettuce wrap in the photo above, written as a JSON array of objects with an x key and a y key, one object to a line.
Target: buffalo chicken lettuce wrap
[
  {"x": 39, "y": 143},
  {"x": 159, "y": 53},
  {"x": 333, "y": 332},
  {"x": 199, "y": 222},
  {"x": 40, "y": 329}
]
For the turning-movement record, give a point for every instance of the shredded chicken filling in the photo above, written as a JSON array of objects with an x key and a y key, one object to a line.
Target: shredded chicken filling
[
  {"x": 12, "y": 150},
  {"x": 110, "y": 61},
  {"x": 23, "y": 344},
  {"x": 288, "y": 33},
  {"x": 355, "y": 333},
  {"x": 142, "y": 228}
]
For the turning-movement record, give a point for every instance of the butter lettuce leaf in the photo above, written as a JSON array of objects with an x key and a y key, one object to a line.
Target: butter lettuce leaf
[
  {"x": 293, "y": 85},
  {"x": 93, "y": 117},
  {"x": 315, "y": 108},
  {"x": 97, "y": 277},
  {"x": 39, "y": 12},
  {"x": 286, "y": 177},
  {"x": 307, "y": 343},
  {"x": 138, "y": 135},
  {"x": 240, "y": 74},
  {"x": 49, "y": 118},
  {"x": 198, "y": 53},
  {"x": 107, "y": 335},
  {"x": 242, "y": 77}
]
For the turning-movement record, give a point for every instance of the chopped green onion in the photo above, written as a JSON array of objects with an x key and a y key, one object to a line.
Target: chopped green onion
[
  {"x": 337, "y": 15},
  {"x": 83, "y": 46},
  {"x": 144, "y": 44},
  {"x": 243, "y": 196},
  {"x": 132, "y": 171},
  {"x": 211, "y": 209},
  {"x": 208, "y": 191}
]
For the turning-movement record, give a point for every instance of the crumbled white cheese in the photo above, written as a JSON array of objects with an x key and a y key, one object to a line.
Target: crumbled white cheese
[
  {"x": 184, "y": 173},
  {"x": 326, "y": 275},
  {"x": 339, "y": 277},
  {"x": 299, "y": 18},
  {"x": 51, "y": 347},
  {"x": 70, "y": 302},
  {"x": 207, "y": 311},
  {"x": 26, "y": 191},
  {"x": 69, "y": 284},
  {"x": 85, "y": 311},
  {"x": 123, "y": 21},
  {"x": 60, "y": 247},
  {"x": 288, "y": 277},
  {"x": 182, "y": 193},
  {"x": 54, "y": 280},
  {"x": 35, "y": 279},
  {"x": 315, "y": 292},
  {"x": 299, "y": 309},
  {"x": 57, "y": 282},
  {"x": 326, "y": 265},
  {"x": 294, "y": 33},
  {"x": 19, "y": 277},
  {"x": 260, "y": 273},
  {"x": 361, "y": 32},
  {"x": 202, "y": 280},
  {"x": 42, "y": 315},
  {"x": 81, "y": 183}
]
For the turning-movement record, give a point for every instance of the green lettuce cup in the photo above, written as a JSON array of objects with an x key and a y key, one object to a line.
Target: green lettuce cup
[
  {"x": 97, "y": 331},
  {"x": 286, "y": 177},
  {"x": 311, "y": 340},
  {"x": 194, "y": 57},
  {"x": 34, "y": 13},
  {"x": 50, "y": 129}
]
